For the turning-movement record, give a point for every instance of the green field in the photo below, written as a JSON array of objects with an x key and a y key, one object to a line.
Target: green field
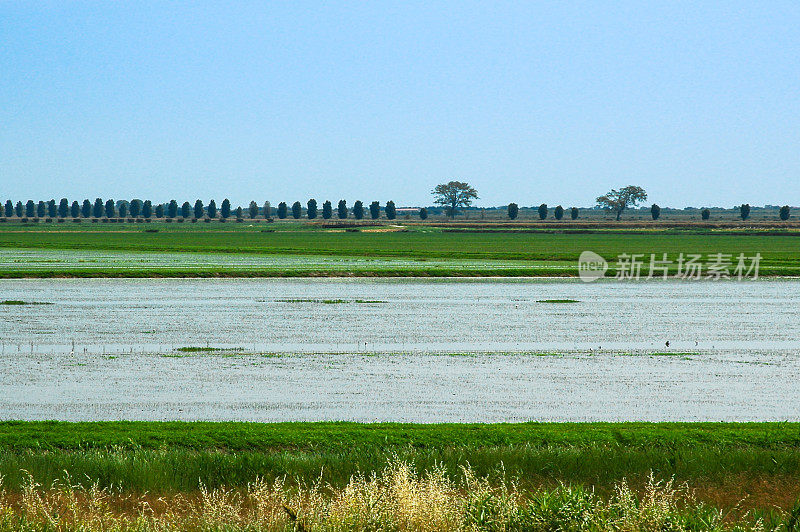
[
  {"x": 175, "y": 456},
  {"x": 296, "y": 249}
]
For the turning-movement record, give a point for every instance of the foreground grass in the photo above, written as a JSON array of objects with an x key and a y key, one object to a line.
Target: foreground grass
[
  {"x": 396, "y": 498},
  {"x": 745, "y": 466}
]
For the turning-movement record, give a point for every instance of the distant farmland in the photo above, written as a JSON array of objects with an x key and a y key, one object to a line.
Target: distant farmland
[{"x": 292, "y": 249}]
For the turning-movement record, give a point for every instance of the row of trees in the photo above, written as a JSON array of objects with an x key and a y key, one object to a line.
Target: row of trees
[
  {"x": 615, "y": 201},
  {"x": 744, "y": 212},
  {"x": 122, "y": 209},
  {"x": 145, "y": 209},
  {"x": 342, "y": 210},
  {"x": 783, "y": 213},
  {"x": 543, "y": 210}
]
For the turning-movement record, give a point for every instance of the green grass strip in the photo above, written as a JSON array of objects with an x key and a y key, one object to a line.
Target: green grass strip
[{"x": 334, "y": 436}]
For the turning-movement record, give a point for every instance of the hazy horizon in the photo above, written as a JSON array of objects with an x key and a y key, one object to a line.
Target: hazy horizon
[{"x": 530, "y": 103}]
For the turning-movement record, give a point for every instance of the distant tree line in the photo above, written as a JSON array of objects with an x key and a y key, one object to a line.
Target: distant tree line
[
  {"x": 543, "y": 210},
  {"x": 134, "y": 208},
  {"x": 357, "y": 211},
  {"x": 460, "y": 198},
  {"x": 137, "y": 208}
]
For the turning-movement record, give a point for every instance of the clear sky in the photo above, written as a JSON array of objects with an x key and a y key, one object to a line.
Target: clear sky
[{"x": 531, "y": 102}]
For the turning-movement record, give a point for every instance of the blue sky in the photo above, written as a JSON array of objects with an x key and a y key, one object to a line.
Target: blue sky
[{"x": 531, "y": 102}]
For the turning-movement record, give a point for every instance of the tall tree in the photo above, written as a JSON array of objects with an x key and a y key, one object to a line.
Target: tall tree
[
  {"x": 423, "y": 214},
  {"x": 267, "y": 210},
  {"x": 390, "y": 210},
  {"x": 282, "y": 210},
  {"x": 358, "y": 210},
  {"x": 9, "y": 208},
  {"x": 41, "y": 209},
  {"x": 239, "y": 213},
  {"x": 159, "y": 210},
  {"x": 374, "y": 210},
  {"x": 341, "y": 209},
  {"x": 172, "y": 209},
  {"x": 147, "y": 209},
  {"x": 513, "y": 211},
  {"x": 212, "y": 209},
  {"x": 110, "y": 208},
  {"x": 186, "y": 209},
  {"x": 617, "y": 201},
  {"x": 253, "y": 210},
  {"x": 135, "y": 207},
  {"x": 86, "y": 208},
  {"x": 311, "y": 209},
  {"x": 30, "y": 209},
  {"x": 75, "y": 209},
  {"x": 542, "y": 211},
  {"x": 98, "y": 208},
  {"x": 655, "y": 211},
  {"x": 124, "y": 209},
  {"x": 744, "y": 211},
  {"x": 52, "y": 210},
  {"x": 297, "y": 210},
  {"x": 784, "y": 213},
  {"x": 63, "y": 208},
  {"x": 573, "y": 213},
  {"x": 705, "y": 214},
  {"x": 327, "y": 210},
  {"x": 19, "y": 210},
  {"x": 558, "y": 212},
  {"x": 198, "y": 209},
  {"x": 454, "y": 195},
  {"x": 225, "y": 209}
]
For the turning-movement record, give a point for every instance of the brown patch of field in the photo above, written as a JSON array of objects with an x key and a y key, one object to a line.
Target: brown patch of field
[{"x": 746, "y": 492}]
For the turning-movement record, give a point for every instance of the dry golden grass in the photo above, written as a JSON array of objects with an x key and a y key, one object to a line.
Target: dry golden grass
[{"x": 397, "y": 499}]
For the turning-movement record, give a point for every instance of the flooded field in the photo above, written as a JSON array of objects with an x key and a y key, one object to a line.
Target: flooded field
[
  {"x": 411, "y": 350},
  {"x": 61, "y": 260}
]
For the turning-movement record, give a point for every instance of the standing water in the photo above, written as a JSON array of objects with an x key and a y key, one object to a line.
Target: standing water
[{"x": 411, "y": 350}]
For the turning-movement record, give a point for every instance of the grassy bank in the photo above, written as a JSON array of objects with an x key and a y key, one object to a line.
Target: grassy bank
[{"x": 726, "y": 463}]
